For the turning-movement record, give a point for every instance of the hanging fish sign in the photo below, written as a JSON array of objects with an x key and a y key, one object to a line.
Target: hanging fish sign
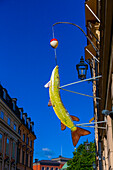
[{"x": 59, "y": 109}]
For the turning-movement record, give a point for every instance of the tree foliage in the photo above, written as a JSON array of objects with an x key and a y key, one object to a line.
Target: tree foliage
[{"x": 84, "y": 157}]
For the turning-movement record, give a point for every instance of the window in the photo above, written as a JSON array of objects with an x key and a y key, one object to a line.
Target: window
[
  {"x": 29, "y": 125},
  {"x": 56, "y": 169},
  {"x": 27, "y": 141},
  {"x": 20, "y": 114},
  {"x": 25, "y": 118},
  {"x": 14, "y": 126},
  {"x": 23, "y": 155},
  {"x": 18, "y": 155},
  {"x": 13, "y": 150},
  {"x": 13, "y": 106},
  {"x": 4, "y": 94},
  {"x": 47, "y": 168},
  {"x": 2, "y": 115},
  {"x": 51, "y": 168},
  {"x": 14, "y": 103},
  {"x": 42, "y": 168},
  {"x": 19, "y": 131},
  {"x": 30, "y": 161},
  {"x": 32, "y": 127},
  {"x": 7, "y": 147},
  {"x": 26, "y": 159},
  {"x": 23, "y": 137},
  {"x": 9, "y": 121},
  {"x": 0, "y": 142},
  {"x": 31, "y": 143}
]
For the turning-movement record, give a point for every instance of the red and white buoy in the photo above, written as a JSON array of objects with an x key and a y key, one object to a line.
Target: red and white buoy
[{"x": 54, "y": 43}]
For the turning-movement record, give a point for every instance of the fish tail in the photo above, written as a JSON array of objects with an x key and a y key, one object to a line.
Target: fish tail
[{"x": 77, "y": 134}]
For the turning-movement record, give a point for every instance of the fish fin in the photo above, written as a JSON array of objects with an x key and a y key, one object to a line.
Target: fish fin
[
  {"x": 77, "y": 134},
  {"x": 49, "y": 103},
  {"x": 63, "y": 127},
  {"x": 47, "y": 85},
  {"x": 74, "y": 118},
  {"x": 91, "y": 119}
]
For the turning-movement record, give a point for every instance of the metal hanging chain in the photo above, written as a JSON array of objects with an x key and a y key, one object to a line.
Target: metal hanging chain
[
  {"x": 80, "y": 93},
  {"x": 53, "y": 32},
  {"x": 55, "y": 56},
  {"x": 95, "y": 48},
  {"x": 54, "y": 48}
]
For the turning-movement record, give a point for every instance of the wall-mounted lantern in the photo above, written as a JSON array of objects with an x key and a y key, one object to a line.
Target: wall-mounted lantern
[{"x": 82, "y": 69}]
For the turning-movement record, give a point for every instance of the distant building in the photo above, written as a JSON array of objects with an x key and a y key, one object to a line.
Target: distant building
[
  {"x": 53, "y": 164},
  {"x": 16, "y": 135},
  {"x": 65, "y": 166}
]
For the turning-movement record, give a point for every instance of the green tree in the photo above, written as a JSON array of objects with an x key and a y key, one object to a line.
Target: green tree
[{"x": 84, "y": 157}]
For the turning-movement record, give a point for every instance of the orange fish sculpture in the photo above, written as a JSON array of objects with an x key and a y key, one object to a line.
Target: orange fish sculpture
[{"x": 59, "y": 109}]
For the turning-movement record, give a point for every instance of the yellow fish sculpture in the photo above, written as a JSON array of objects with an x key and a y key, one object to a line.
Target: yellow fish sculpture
[{"x": 56, "y": 102}]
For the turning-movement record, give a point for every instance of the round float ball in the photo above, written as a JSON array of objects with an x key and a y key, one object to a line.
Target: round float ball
[{"x": 54, "y": 43}]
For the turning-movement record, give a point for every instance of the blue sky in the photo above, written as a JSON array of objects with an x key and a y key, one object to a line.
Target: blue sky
[{"x": 27, "y": 61}]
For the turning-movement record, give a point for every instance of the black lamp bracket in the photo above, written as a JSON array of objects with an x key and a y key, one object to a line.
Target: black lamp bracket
[{"x": 107, "y": 112}]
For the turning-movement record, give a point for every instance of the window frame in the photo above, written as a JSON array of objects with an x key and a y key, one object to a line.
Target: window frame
[
  {"x": 9, "y": 122},
  {"x": 23, "y": 157},
  {"x": 31, "y": 143},
  {"x": 7, "y": 144},
  {"x": 15, "y": 125},
  {"x": 1, "y": 141},
  {"x": 23, "y": 137},
  {"x": 27, "y": 140},
  {"x": 4, "y": 94},
  {"x": 13, "y": 151},
  {"x": 2, "y": 115},
  {"x": 18, "y": 155}
]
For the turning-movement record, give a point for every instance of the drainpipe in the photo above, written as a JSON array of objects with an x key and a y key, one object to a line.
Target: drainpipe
[
  {"x": 112, "y": 92},
  {"x": 99, "y": 152},
  {"x": 99, "y": 137}
]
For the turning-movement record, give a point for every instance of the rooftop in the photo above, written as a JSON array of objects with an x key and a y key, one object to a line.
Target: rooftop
[{"x": 12, "y": 104}]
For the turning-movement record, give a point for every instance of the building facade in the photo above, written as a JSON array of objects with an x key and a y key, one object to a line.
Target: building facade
[
  {"x": 53, "y": 164},
  {"x": 99, "y": 24},
  {"x": 12, "y": 128}
]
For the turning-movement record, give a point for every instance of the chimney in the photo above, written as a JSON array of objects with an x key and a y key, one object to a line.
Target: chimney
[{"x": 36, "y": 160}]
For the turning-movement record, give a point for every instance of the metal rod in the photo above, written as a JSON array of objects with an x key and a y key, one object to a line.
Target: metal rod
[
  {"x": 91, "y": 123},
  {"x": 80, "y": 93},
  {"x": 95, "y": 48},
  {"x": 94, "y": 127},
  {"x": 81, "y": 81},
  {"x": 93, "y": 34},
  {"x": 86, "y": 126},
  {"x": 92, "y": 55},
  {"x": 92, "y": 12}
]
